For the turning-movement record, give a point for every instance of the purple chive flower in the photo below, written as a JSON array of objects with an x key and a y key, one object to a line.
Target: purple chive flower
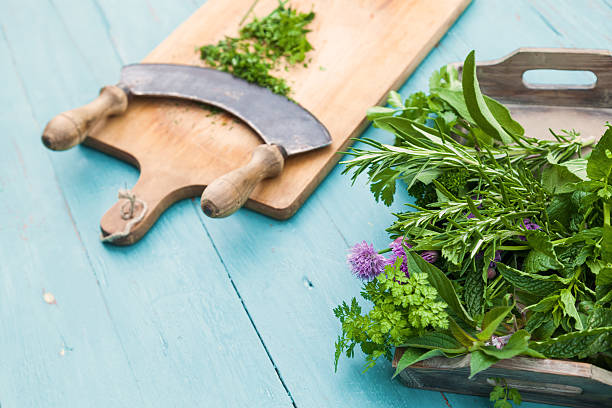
[
  {"x": 397, "y": 246},
  {"x": 397, "y": 250},
  {"x": 430, "y": 256},
  {"x": 529, "y": 226},
  {"x": 365, "y": 262}
]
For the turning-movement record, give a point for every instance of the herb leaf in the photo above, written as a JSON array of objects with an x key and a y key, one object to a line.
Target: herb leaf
[
  {"x": 477, "y": 105},
  {"x": 442, "y": 284},
  {"x": 492, "y": 320}
]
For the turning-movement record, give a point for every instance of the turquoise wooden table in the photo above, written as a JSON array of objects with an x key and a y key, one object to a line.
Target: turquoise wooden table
[{"x": 221, "y": 313}]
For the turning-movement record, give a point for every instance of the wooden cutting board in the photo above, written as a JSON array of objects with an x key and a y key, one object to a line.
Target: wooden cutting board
[{"x": 362, "y": 49}]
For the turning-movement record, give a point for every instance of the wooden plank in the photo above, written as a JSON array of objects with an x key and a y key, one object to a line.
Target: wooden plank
[
  {"x": 180, "y": 149},
  {"x": 172, "y": 331},
  {"x": 51, "y": 349},
  {"x": 291, "y": 274}
]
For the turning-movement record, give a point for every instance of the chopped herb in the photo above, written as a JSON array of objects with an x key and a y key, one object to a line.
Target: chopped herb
[{"x": 263, "y": 45}]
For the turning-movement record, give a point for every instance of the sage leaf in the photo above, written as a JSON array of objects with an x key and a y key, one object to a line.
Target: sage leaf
[
  {"x": 476, "y": 104},
  {"x": 461, "y": 335},
  {"x": 414, "y": 355},
  {"x": 492, "y": 320},
  {"x": 599, "y": 166},
  {"x": 456, "y": 99},
  {"x": 480, "y": 361}
]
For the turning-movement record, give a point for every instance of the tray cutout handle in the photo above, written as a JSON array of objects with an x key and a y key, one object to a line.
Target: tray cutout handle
[
  {"x": 556, "y": 78},
  {"x": 503, "y": 78}
]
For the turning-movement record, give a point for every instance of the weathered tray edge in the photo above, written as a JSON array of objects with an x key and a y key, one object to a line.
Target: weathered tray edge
[{"x": 587, "y": 385}]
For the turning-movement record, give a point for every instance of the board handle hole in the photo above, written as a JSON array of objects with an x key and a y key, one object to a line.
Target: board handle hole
[{"x": 558, "y": 78}]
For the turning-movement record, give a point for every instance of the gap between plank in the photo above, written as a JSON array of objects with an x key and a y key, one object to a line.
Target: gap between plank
[
  {"x": 71, "y": 217},
  {"x": 278, "y": 374},
  {"x": 107, "y": 27}
]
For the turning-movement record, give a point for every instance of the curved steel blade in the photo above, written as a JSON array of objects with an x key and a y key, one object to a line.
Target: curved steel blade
[{"x": 276, "y": 119}]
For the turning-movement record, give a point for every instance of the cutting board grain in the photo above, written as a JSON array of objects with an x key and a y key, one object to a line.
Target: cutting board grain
[{"x": 362, "y": 49}]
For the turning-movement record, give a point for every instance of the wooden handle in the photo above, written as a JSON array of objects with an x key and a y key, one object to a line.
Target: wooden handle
[
  {"x": 229, "y": 192},
  {"x": 503, "y": 78},
  {"x": 69, "y": 128}
]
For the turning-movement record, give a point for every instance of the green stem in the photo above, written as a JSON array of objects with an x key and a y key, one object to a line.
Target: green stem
[
  {"x": 606, "y": 214},
  {"x": 384, "y": 251},
  {"x": 248, "y": 12},
  {"x": 513, "y": 247}
]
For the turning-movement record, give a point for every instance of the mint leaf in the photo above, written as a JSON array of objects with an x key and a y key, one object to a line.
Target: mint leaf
[
  {"x": 571, "y": 344},
  {"x": 569, "y": 307},
  {"x": 603, "y": 283},
  {"x": 577, "y": 167},
  {"x": 558, "y": 179},
  {"x": 536, "y": 284},
  {"x": 477, "y": 105},
  {"x": 537, "y": 262},
  {"x": 473, "y": 292},
  {"x": 540, "y": 241},
  {"x": 545, "y": 304}
]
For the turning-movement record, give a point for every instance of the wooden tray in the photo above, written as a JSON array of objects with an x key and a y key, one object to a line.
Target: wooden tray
[
  {"x": 549, "y": 381},
  {"x": 362, "y": 49},
  {"x": 537, "y": 108}
]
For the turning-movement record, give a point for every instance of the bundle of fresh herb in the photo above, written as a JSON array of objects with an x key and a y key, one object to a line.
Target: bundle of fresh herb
[
  {"x": 512, "y": 233},
  {"x": 261, "y": 46}
]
